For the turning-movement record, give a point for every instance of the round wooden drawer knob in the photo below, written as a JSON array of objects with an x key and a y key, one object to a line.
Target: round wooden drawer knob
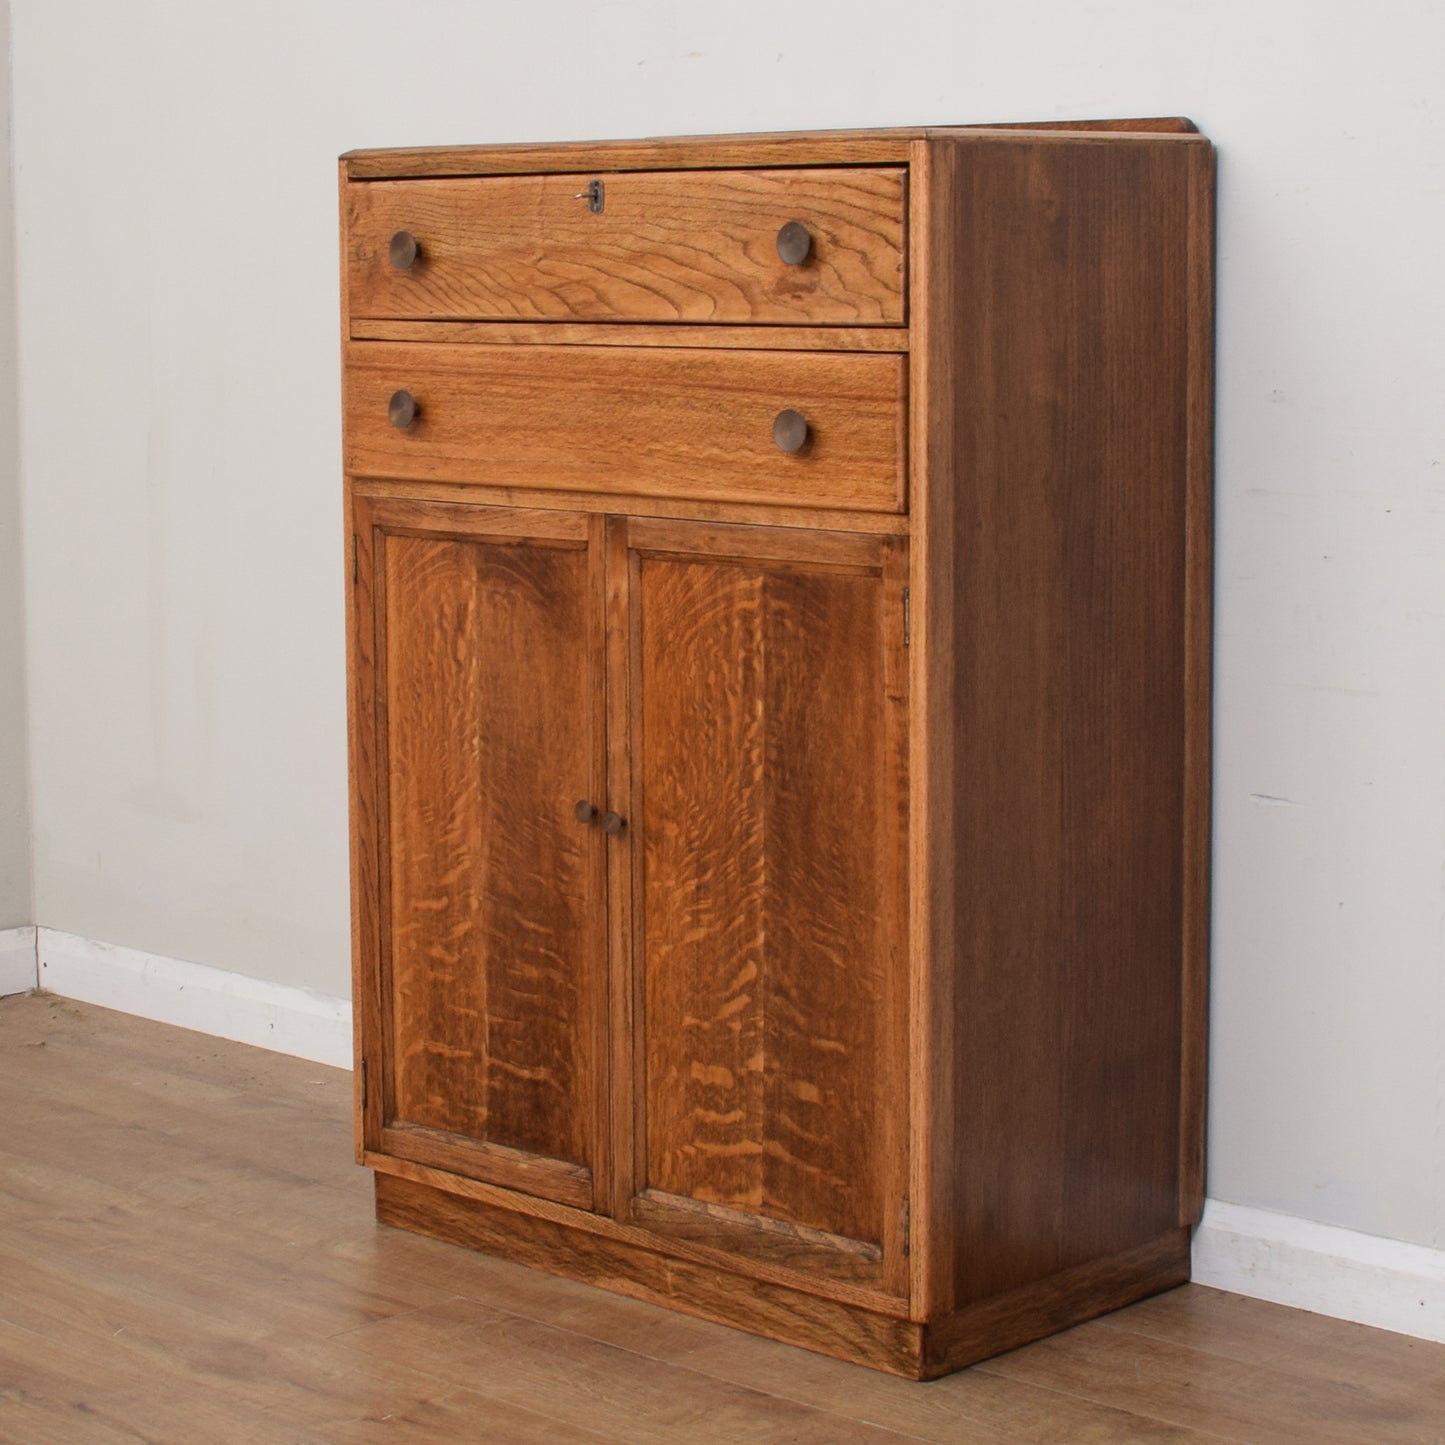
[
  {"x": 401, "y": 410},
  {"x": 790, "y": 431},
  {"x": 613, "y": 823},
  {"x": 794, "y": 243},
  {"x": 586, "y": 812},
  {"x": 404, "y": 250}
]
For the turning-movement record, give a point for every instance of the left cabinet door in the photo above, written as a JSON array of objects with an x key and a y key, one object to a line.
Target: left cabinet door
[{"x": 477, "y": 717}]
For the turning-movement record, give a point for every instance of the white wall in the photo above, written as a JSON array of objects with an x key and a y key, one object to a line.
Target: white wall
[
  {"x": 177, "y": 264},
  {"x": 15, "y": 897}
]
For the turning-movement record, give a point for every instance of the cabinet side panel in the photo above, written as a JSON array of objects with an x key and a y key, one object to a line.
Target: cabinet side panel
[
  {"x": 1071, "y": 390},
  {"x": 1198, "y": 680}
]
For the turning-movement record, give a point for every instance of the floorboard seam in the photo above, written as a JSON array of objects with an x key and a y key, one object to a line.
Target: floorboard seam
[{"x": 1206, "y": 1432}]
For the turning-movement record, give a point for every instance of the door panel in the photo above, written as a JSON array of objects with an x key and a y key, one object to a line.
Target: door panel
[
  {"x": 490, "y": 975},
  {"x": 767, "y": 796}
]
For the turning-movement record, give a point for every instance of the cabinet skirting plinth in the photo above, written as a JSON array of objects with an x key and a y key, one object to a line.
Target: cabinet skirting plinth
[{"x": 917, "y": 1351}]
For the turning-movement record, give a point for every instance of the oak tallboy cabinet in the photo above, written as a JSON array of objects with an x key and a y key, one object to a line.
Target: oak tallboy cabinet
[{"x": 779, "y": 623}]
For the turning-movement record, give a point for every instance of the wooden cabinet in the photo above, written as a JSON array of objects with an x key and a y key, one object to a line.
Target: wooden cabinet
[{"x": 778, "y": 613}]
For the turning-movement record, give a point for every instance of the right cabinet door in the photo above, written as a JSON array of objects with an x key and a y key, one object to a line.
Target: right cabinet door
[{"x": 766, "y": 727}]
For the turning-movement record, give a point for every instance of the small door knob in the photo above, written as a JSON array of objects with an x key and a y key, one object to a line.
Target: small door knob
[
  {"x": 585, "y": 812},
  {"x": 613, "y": 823},
  {"x": 794, "y": 243},
  {"x": 404, "y": 250},
  {"x": 790, "y": 430},
  {"x": 402, "y": 410}
]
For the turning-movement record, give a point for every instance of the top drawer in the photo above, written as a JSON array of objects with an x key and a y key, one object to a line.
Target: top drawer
[{"x": 665, "y": 246}]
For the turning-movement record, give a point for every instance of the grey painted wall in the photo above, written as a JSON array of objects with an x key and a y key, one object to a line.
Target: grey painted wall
[{"x": 15, "y": 889}]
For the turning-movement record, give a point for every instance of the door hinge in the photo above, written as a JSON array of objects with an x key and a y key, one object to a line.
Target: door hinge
[
  {"x": 907, "y": 622},
  {"x": 354, "y": 564},
  {"x": 363, "y": 1086},
  {"x": 907, "y": 1228}
]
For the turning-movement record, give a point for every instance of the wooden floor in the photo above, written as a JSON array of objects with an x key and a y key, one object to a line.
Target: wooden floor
[{"x": 187, "y": 1253}]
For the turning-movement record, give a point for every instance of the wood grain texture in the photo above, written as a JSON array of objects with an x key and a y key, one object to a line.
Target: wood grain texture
[
  {"x": 1068, "y": 374},
  {"x": 602, "y": 503},
  {"x": 893, "y": 837},
  {"x": 1198, "y": 688},
  {"x": 829, "y": 1326},
  {"x": 1403, "y": 1377},
  {"x": 187, "y": 1253},
  {"x": 766, "y": 939},
  {"x": 763, "y": 149},
  {"x": 932, "y": 868},
  {"x": 367, "y": 821},
  {"x": 487, "y": 679},
  {"x": 972, "y": 1091},
  {"x": 737, "y": 1256},
  {"x": 610, "y": 1390},
  {"x": 710, "y": 152},
  {"x": 1159, "y": 124},
  {"x": 662, "y": 422},
  {"x": 1183, "y": 1380},
  {"x": 562, "y": 333},
  {"x": 667, "y": 246},
  {"x": 971, "y": 1407},
  {"x": 490, "y": 968},
  {"x": 743, "y": 1231},
  {"x": 607, "y": 1166},
  {"x": 551, "y": 1178},
  {"x": 360, "y": 772},
  {"x": 628, "y": 1122},
  {"x": 1002, "y": 1322}
]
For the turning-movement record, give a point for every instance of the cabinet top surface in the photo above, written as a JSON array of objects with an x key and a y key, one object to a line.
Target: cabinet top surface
[{"x": 838, "y": 147}]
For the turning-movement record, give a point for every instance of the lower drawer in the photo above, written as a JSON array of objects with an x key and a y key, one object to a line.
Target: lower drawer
[{"x": 650, "y": 421}]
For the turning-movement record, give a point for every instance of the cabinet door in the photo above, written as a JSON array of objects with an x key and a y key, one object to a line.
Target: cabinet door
[
  {"x": 482, "y": 922},
  {"x": 766, "y": 727}
]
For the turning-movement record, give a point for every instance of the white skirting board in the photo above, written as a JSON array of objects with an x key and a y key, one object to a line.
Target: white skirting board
[
  {"x": 1254, "y": 1252},
  {"x": 17, "y": 960},
  {"x": 210, "y": 1000},
  {"x": 1317, "y": 1267}
]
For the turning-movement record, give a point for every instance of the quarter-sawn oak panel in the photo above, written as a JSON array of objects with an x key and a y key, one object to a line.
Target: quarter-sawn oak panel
[
  {"x": 761, "y": 785},
  {"x": 492, "y": 967}
]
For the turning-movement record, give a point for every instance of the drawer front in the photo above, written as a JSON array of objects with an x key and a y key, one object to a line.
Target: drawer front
[
  {"x": 665, "y": 246},
  {"x": 650, "y": 421}
]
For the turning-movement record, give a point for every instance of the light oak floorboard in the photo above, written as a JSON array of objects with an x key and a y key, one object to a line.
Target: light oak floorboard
[
  {"x": 1232, "y": 1398},
  {"x": 188, "y": 1252}
]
